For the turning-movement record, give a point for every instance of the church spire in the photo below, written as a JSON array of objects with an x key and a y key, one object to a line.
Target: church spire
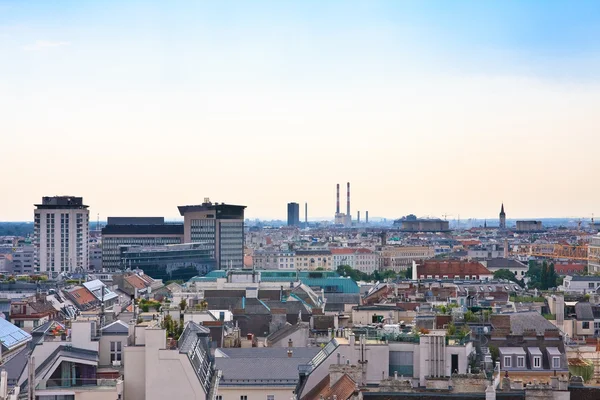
[{"x": 502, "y": 217}]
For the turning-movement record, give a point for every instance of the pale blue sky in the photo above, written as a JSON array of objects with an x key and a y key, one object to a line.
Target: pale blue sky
[{"x": 427, "y": 107}]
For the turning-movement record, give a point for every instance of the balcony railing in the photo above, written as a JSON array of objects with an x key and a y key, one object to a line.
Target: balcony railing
[{"x": 90, "y": 384}]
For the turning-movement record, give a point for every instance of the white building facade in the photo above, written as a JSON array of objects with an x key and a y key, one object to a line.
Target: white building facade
[{"x": 61, "y": 235}]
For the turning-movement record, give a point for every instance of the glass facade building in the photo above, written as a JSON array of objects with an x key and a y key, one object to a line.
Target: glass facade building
[{"x": 170, "y": 262}]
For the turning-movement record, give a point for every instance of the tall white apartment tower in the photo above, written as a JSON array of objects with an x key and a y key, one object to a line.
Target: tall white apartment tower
[{"x": 61, "y": 235}]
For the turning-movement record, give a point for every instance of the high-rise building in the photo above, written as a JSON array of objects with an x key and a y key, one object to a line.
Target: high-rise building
[
  {"x": 220, "y": 226},
  {"x": 293, "y": 214},
  {"x": 61, "y": 235},
  {"x": 502, "y": 218},
  {"x": 140, "y": 231}
]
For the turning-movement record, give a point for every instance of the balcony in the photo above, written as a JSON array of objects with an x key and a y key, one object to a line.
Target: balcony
[{"x": 79, "y": 384}]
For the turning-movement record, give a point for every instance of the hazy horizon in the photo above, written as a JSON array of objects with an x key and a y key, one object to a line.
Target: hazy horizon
[{"x": 427, "y": 107}]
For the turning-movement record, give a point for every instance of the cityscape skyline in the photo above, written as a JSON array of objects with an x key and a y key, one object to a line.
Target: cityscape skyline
[{"x": 429, "y": 108}]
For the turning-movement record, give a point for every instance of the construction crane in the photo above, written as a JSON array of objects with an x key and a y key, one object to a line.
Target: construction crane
[{"x": 558, "y": 251}]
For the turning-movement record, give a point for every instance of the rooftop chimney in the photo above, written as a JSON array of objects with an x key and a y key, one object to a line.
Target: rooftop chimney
[
  {"x": 348, "y": 206},
  {"x": 337, "y": 199},
  {"x": 290, "y": 353},
  {"x": 290, "y": 343}
]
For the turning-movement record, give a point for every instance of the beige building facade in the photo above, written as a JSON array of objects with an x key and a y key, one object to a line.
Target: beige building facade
[{"x": 399, "y": 258}]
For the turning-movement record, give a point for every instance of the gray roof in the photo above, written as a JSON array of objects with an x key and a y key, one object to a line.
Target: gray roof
[
  {"x": 553, "y": 351},
  {"x": 585, "y": 278},
  {"x": 284, "y": 332},
  {"x": 521, "y": 321},
  {"x": 268, "y": 352},
  {"x": 249, "y": 371},
  {"x": 504, "y": 263},
  {"x": 511, "y": 350},
  {"x": 116, "y": 328},
  {"x": 342, "y": 298},
  {"x": 584, "y": 312},
  {"x": 15, "y": 366},
  {"x": 534, "y": 350},
  {"x": 190, "y": 335}
]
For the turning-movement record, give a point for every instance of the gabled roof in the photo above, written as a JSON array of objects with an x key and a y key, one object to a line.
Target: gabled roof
[
  {"x": 98, "y": 288},
  {"x": 343, "y": 389},
  {"x": 451, "y": 268},
  {"x": 522, "y": 321},
  {"x": 118, "y": 328},
  {"x": 82, "y": 297},
  {"x": 136, "y": 281}
]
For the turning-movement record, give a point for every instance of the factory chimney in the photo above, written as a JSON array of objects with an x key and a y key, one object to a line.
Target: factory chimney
[
  {"x": 358, "y": 217},
  {"x": 367, "y": 218},
  {"x": 306, "y": 215},
  {"x": 348, "y": 209},
  {"x": 337, "y": 200}
]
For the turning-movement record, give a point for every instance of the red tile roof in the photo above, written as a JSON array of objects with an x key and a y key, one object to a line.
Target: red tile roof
[
  {"x": 136, "y": 281},
  {"x": 364, "y": 251},
  {"x": 344, "y": 250},
  {"x": 564, "y": 269},
  {"x": 451, "y": 269},
  {"x": 82, "y": 296},
  {"x": 343, "y": 389}
]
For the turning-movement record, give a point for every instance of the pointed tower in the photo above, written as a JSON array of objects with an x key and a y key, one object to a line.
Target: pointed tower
[{"x": 502, "y": 218}]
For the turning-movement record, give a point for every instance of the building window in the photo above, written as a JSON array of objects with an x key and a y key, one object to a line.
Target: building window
[
  {"x": 507, "y": 362},
  {"x": 537, "y": 362},
  {"x": 585, "y": 325},
  {"x": 520, "y": 362},
  {"x": 270, "y": 397},
  {"x": 243, "y": 397},
  {"x": 591, "y": 285},
  {"x": 115, "y": 351},
  {"x": 219, "y": 397},
  {"x": 555, "y": 362}
]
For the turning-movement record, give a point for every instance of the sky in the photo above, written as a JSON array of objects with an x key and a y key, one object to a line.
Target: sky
[{"x": 427, "y": 107}]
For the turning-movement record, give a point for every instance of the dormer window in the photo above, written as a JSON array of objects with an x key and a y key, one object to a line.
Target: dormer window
[{"x": 537, "y": 362}]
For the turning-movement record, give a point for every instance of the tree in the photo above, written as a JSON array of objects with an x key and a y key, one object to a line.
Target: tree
[
  {"x": 182, "y": 304},
  {"x": 505, "y": 274},
  {"x": 495, "y": 353},
  {"x": 551, "y": 279},
  {"x": 408, "y": 273},
  {"x": 544, "y": 276}
]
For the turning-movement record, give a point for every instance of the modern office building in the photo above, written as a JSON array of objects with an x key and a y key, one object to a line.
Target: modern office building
[
  {"x": 293, "y": 214},
  {"x": 170, "y": 262},
  {"x": 138, "y": 231},
  {"x": 23, "y": 260},
  {"x": 61, "y": 235},
  {"x": 220, "y": 226}
]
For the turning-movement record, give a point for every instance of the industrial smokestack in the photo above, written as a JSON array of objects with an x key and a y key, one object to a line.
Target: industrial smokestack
[
  {"x": 306, "y": 214},
  {"x": 337, "y": 200},
  {"x": 358, "y": 217},
  {"x": 348, "y": 210},
  {"x": 367, "y": 218}
]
